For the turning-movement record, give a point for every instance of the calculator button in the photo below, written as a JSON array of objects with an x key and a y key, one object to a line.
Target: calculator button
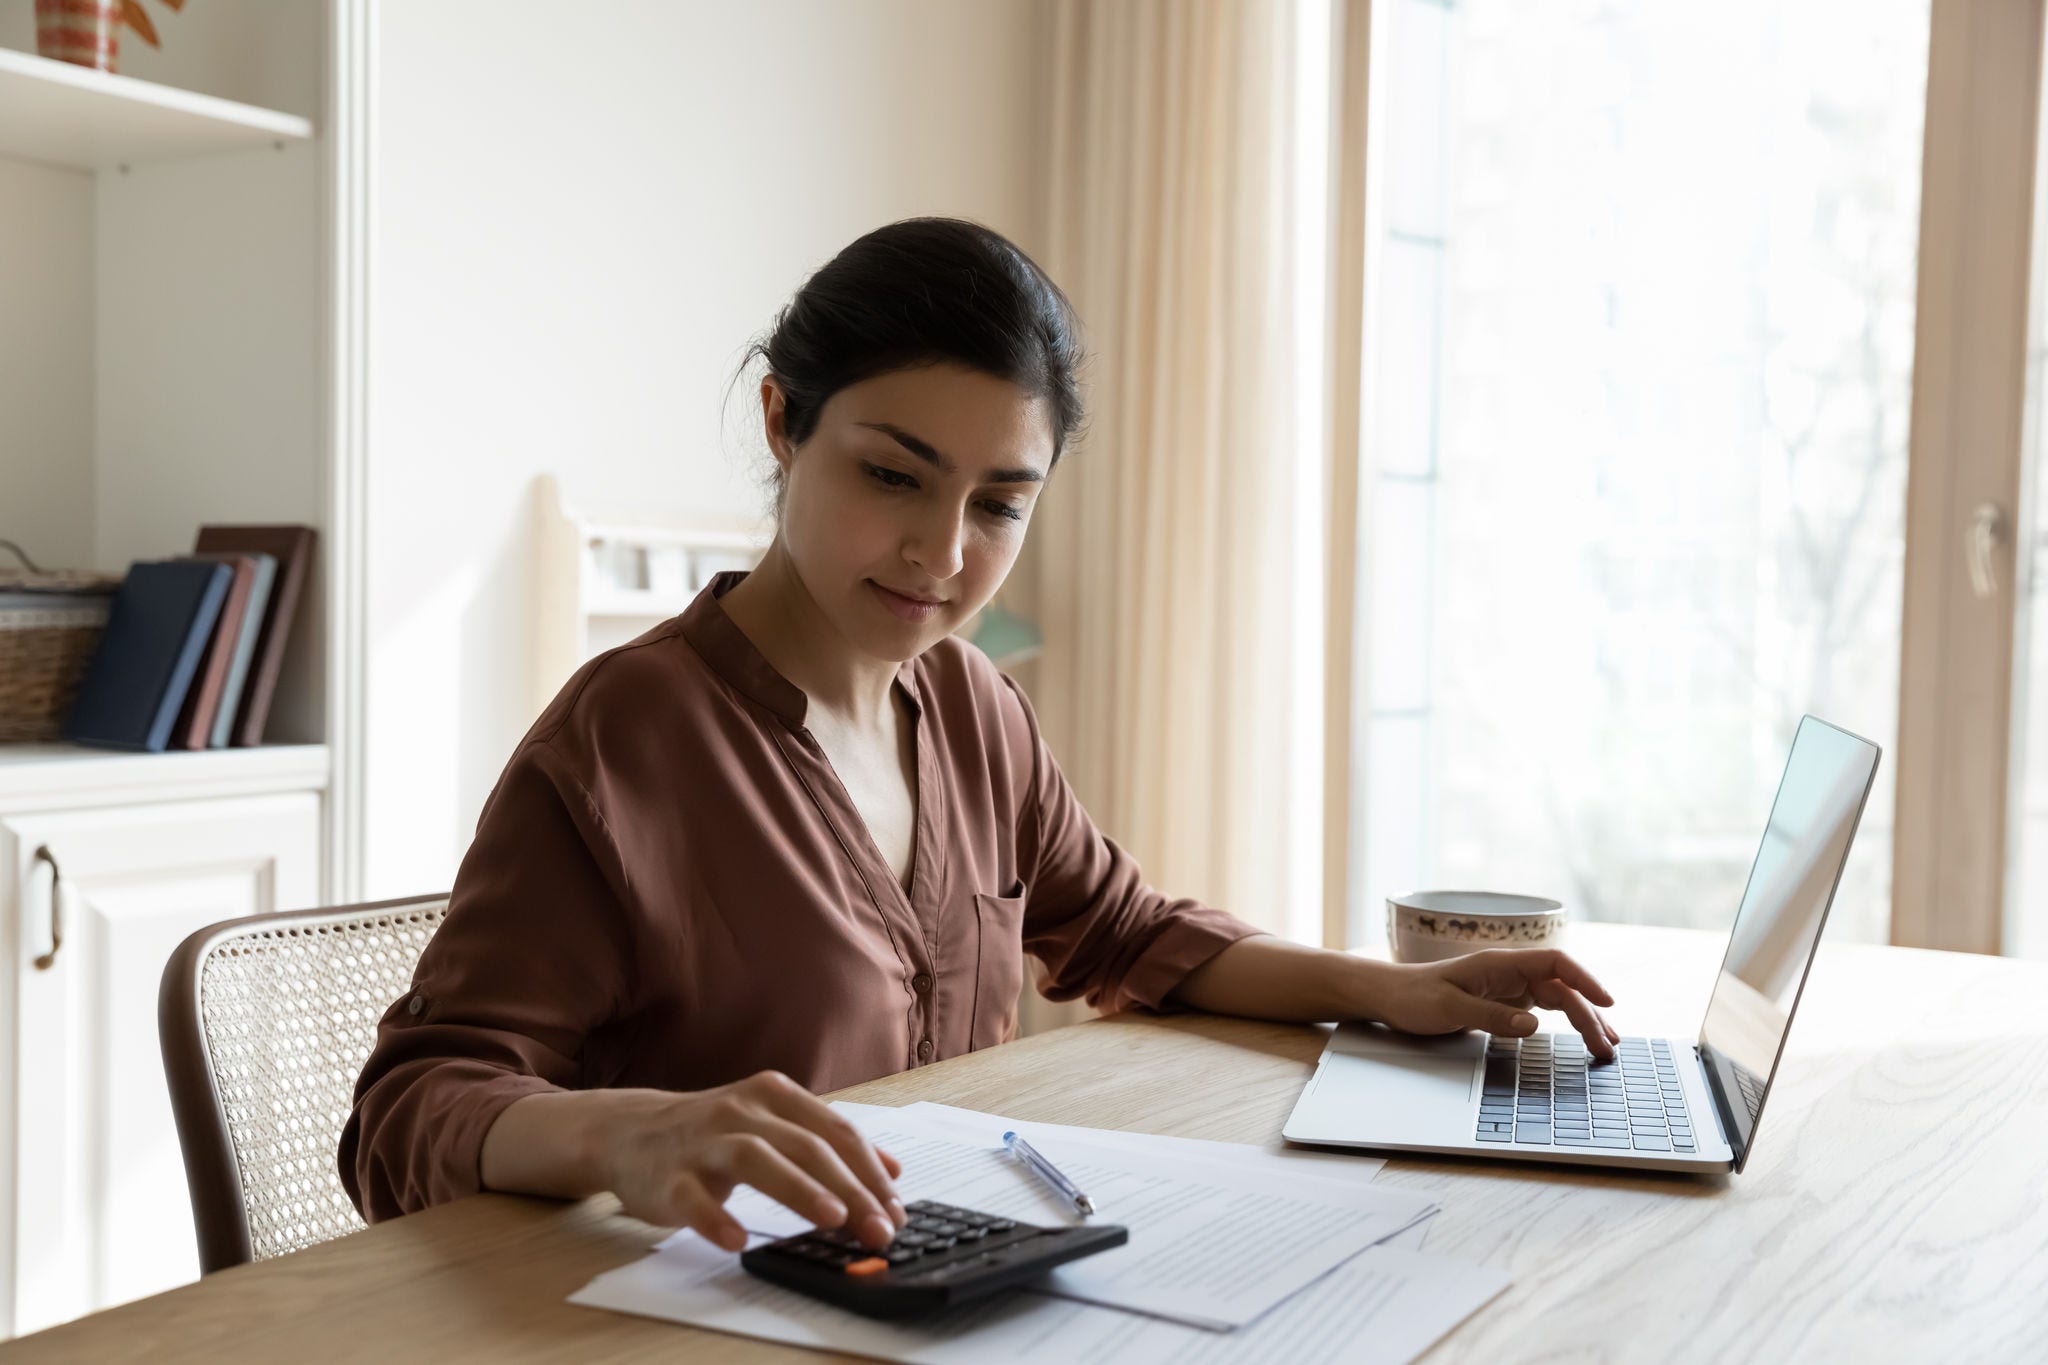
[
  {"x": 1001, "y": 1225},
  {"x": 973, "y": 1234},
  {"x": 898, "y": 1255},
  {"x": 869, "y": 1265},
  {"x": 913, "y": 1239},
  {"x": 943, "y": 1244}
]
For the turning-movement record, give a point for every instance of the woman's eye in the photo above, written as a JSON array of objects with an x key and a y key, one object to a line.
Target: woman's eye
[
  {"x": 897, "y": 479},
  {"x": 891, "y": 478}
]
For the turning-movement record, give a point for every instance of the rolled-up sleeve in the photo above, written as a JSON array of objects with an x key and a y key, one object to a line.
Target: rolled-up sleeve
[
  {"x": 1101, "y": 931},
  {"x": 534, "y": 953}
]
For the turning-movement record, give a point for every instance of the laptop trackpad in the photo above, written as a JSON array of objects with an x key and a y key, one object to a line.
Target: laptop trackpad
[{"x": 1388, "y": 1096}]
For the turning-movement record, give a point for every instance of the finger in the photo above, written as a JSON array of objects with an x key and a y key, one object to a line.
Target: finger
[
  {"x": 895, "y": 1201},
  {"x": 1567, "y": 969},
  {"x": 1558, "y": 996},
  {"x": 862, "y": 1210},
  {"x": 749, "y": 1158},
  {"x": 790, "y": 1101},
  {"x": 1607, "y": 1028},
  {"x": 1498, "y": 1018},
  {"x": 692, "y": 1206}
]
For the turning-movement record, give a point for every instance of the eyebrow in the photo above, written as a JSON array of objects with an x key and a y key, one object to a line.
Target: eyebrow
[{"x": 925, "y": 451}]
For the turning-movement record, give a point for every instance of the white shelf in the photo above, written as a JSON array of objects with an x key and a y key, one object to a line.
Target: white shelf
[
  {"x": 61, "y": 114},
  {"x": 695, "y": 538},
  {"x": 46, "y": 777},
  {"x": 599, "y": 583}
]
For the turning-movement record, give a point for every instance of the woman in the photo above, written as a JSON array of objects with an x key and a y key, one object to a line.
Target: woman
[{"x": 801, "y": 836}]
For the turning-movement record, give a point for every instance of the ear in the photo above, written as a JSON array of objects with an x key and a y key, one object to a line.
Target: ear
[{"x": 772, "y": 422}]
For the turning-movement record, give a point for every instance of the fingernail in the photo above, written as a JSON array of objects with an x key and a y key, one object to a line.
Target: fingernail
[
  {"x": 876, "y": 1229},
  {"x": 898, "y": 1212}
]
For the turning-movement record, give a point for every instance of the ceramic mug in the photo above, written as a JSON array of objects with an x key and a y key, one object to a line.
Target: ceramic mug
[{"x": 1429, "y": 926}]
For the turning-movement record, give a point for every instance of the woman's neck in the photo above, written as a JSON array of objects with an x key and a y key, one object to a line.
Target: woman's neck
[{"x": 775, "y": 611}]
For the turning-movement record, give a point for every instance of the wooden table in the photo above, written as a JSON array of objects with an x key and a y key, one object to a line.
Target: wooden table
[{"x": 1896, "y": 1206}]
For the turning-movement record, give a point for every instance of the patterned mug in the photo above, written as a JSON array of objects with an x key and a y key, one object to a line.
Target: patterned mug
[{"x": 1429, "y": 926}]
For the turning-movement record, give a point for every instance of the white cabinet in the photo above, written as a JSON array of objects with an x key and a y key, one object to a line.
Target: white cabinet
[{"x": 93, "y": 1208}]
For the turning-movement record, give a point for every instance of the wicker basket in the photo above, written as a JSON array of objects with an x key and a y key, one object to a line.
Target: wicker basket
[{"x": 50, "y": 622}]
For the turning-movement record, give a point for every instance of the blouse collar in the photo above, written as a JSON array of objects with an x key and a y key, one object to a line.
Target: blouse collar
[{"x": 718, "y": 638}]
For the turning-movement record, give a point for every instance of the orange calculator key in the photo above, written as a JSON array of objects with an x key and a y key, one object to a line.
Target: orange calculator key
[{"x": 871, "y": 1266}]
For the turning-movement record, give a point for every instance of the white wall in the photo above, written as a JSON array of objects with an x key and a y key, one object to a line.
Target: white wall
[{"x": 581, "y": 214}]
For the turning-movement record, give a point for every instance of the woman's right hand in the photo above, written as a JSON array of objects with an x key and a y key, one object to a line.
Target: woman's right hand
[{"x": 673, "y": 1159}]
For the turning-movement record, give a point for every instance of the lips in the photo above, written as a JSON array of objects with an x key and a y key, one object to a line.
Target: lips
[
  {"x": 912, "y": 597},
  {"x": 902, "y": 605}
]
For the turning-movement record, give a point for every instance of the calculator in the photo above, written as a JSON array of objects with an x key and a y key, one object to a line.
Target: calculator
[{"x": 943, "y": 1256}]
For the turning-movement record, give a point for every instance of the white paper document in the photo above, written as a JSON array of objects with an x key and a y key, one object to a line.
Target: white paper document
[
  {"x": 1213, "y": 1243},
  {"x": 1335, "y": 1163},
  {"x": 1386, "y": 1304}
]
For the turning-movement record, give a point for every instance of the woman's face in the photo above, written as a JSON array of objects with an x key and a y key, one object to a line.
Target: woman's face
[{"x": 918, "y": 481}]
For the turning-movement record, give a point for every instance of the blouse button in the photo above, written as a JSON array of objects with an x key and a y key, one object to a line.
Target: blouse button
[
  {"x": 922, "y": 983},
  {"x": 924, "y": 1050},
  {"x": 416, "y": 1004}
]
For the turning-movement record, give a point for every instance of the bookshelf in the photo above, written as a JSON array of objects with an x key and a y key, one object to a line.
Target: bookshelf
[
  {"x": 168, "y": 247},
  {"x": 142, "y": 393}
]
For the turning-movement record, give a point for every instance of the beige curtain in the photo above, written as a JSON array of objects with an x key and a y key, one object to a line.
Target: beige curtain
[{"x": 1165, "y": 565}]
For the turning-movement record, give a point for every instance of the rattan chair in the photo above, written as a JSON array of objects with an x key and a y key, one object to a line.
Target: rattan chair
[{"x": 265, "y": 1024}]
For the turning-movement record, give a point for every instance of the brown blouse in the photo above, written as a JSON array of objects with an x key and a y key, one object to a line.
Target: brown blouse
[{"x": 669, "y": 887}]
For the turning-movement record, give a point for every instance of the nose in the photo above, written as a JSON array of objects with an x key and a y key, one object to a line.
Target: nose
[{"x": 934, "y": 545}]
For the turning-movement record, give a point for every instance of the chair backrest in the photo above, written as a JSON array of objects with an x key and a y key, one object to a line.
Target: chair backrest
[{"x": 265, "y": 1024}]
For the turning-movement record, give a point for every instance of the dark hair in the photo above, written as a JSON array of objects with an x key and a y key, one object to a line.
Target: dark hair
[{"x": 918, "y": 292}]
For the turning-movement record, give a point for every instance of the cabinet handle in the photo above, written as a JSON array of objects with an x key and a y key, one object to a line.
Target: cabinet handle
[
  {"x": 1987, "y": 532},
  {"x": 49, "y": 959}
]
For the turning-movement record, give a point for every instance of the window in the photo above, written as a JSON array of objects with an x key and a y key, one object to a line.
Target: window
[{"x": 1640, "y": 299}]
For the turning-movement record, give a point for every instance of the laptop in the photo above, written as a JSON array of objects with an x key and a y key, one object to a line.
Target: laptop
[{"x": 1670, "y": 1104}]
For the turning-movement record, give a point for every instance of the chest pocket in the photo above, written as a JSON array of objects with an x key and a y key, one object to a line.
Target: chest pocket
[{"x": 999, "y": 967}]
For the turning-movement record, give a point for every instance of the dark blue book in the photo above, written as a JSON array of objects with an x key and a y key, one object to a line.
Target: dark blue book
[{"x": 156, "y": 633}]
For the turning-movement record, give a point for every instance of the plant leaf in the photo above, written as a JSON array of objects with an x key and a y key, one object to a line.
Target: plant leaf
[{"x": 137, "y": 18}]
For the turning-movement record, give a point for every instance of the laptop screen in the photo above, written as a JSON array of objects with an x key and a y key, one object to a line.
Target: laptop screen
[{"x": 1778, "y": 924}]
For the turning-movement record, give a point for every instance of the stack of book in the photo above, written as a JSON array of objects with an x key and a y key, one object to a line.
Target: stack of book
[{"x": 193, "y": 646}]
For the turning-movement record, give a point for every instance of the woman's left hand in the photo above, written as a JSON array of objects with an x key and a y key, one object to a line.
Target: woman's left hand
[{"x": 1492, "y": 990}]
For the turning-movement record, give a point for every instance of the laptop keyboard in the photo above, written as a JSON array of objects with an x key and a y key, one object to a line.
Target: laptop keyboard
[{"x": 1546, "y": 1090}]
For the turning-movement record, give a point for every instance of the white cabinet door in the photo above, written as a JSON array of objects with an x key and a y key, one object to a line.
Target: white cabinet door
[{"x": 100, "y": 1212}]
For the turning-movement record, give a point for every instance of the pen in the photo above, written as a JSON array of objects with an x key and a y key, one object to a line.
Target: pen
[{"x": 1050, "y": 1173}]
